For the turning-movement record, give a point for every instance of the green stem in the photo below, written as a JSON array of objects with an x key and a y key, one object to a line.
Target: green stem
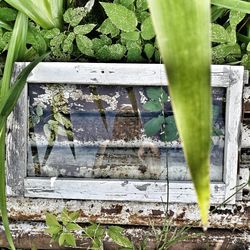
[{"x": 3, "y": 200}]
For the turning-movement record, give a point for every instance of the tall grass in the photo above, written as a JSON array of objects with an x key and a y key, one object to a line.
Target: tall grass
[{"x": 182, "y": 29}]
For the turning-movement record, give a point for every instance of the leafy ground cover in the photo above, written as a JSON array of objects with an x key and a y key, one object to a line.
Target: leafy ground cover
[{"x": 99, "y": 33}]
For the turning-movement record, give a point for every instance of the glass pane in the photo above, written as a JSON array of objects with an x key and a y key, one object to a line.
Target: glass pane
[{"x": 111, "y": 132}]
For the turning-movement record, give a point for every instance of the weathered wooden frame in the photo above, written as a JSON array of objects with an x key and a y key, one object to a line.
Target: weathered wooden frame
[{"x": 229, "y": 77}]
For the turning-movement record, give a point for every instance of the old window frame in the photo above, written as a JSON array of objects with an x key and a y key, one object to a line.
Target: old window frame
[{"x": 18, "y": 184}]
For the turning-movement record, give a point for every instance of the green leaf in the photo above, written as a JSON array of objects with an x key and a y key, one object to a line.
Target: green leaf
[
  {"x": 37, "y": 41},
  {"x": 5, "y": 25},
  {"x": 73, "y": 227},
  {"x": 94, "y": 230},
  {"x": 97, "y": 244},
  {"x": 238, "y": 5},
  {"x": 117, "y": 51},
  {"x": 49, "y": 34},
  {"x": 68, "y": 43},
  {"x": 85, "y": 45},
  {"x": 57, "y": 40},
  {"x": 134, "y": 51},
  {"x": 126, "y": 3},
  {"x": 74, "y": 215},
  {"x": 153, "y": 126},
  {"x": 223, "y": 50},
  {"x": 123, "y": 18},
  {"x": 157, "y": 94},
  {"x": 142, "y": 16},
  {"x": 107, "y": 27},
  {"x": 47, "y": 14},
  {"x": 149, "y": 50},
  {"x": 216, "y": 112},
  {"x": 74, "y": 16},
  {"x": 39, "y": 110},
  {"x": 248, "y": 47},
  {"x": 147, "y": 29},
  {"x": 84, "y": 29},
  {"x": 70, "y": 239},
  {"x": 187, "y": 61},
  {"x": 103, "y": 54},
  {"x": 53, "y": 230},
  {"x": 61, "y": 239},
  {"x": 9, "y": 101},
  {"x": 170, "y": 132},
  {"x": 49, "y": 133},
  {"x": 152, "y": 105},
  {"x": 65, "y": 216},
  {"x": 7, "y": 14},
  {"x": 7, "y": 37},
  {"x": 116, "y": 235},
  {"x": 141, "y": 5},
  {"x": 98, "y": 44},
  {"x": 51, "y": 220},
  {"x": 235, "y": 17},
  {"x": 219, "y": 34},
  {"x": 217, "y": 12},
  {"x": 217, "y": 132},
  {"x": 112, "y": 52},
  {"x": 132, "y": 36}
]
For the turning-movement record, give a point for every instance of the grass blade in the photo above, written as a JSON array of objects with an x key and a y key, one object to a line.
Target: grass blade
[
  {"x": 238, "y": 5},
  {"x": 7, "y": 106},
  {"x": 47, "y": 14},
  {"x": 5, "y": 25},
  {"x": 17, "y": 48},
  {"x": 9, "y": 102},
  {"x": 185, "y": 47}
]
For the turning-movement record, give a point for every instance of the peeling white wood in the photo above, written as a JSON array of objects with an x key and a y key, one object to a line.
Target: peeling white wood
[
  {"x": 118, "y": 190},
  {"x": 129, "y": 213},
  {"x": 232, "y": 130},
  {"x": 113, "y": 74},
  {"x": 123, "y": 74},
  {"x": 245, "y": 136},
  {"x": 16, "y": 144}
]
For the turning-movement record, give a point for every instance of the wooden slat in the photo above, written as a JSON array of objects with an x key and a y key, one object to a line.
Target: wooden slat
[
  {"x": 119, "y": 190},
  {"x": 232, "y": 133},
  {"x": 113, "y": 74}
]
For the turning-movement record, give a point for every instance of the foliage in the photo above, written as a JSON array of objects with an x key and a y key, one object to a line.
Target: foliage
[
  {"x": 86, "y": 35},
  {"x": 164, "y": 123},
  {"x": 64, "y": 228},
  {"x": 9, "y": 95},
  {"x": 62, "y": 231},
  {"x": 105, "y": 37},
  {"x": 189, "y": 82}
]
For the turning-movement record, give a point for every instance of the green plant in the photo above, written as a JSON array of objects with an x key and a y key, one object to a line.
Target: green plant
[
  {"x": 9, "y": 94},
  {"x": 125, "y": 34},
  {"x": 164, "y": 123},
  {"x": 62, "y": 231},
  {"x": 186, "y": 54}
]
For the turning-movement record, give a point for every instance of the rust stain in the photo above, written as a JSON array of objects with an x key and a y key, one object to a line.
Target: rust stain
[
  {"x": 114, "y": 209},
  {"x": 157, "y": 212},
  {"x": 180, "y": 216}
]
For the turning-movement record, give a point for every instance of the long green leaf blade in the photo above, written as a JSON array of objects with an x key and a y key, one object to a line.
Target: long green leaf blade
[
  {"x": 17, "y": 48},
  {"x": 48, "y": 14},
  {"x": 9, "y": 102},
  {"x": 6, "y": 106},
  {"x": 182, "y": 29},
  {"x": 238, "y": 5}
]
